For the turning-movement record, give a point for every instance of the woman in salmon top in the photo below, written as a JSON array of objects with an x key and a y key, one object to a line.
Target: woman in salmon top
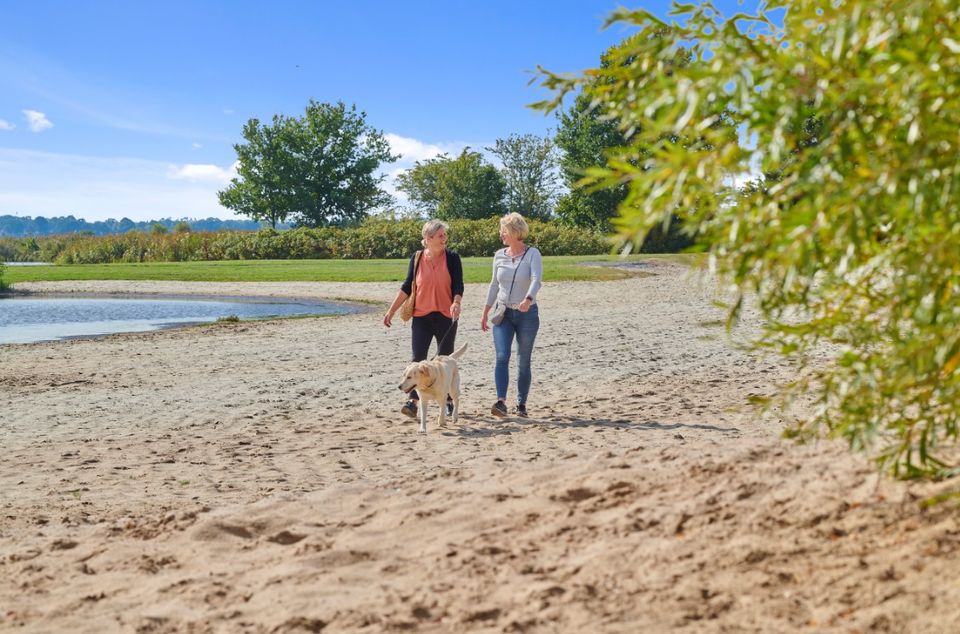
[{"x": 439, "y": 275}]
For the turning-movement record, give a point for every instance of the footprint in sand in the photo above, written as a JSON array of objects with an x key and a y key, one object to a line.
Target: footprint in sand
[{"x": 286, "y": 538}]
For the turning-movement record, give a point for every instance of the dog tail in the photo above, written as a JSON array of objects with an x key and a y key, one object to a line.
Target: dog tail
[{"x": 459, "y": 352}]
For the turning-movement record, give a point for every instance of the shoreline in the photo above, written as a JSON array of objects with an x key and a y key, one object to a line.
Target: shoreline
[
  {"x": 257, "y": 476},
  {"x": 325, "y": 306}
]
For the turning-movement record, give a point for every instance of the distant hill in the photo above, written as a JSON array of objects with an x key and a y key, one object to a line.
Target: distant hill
[{"x": 24, "y": 226}]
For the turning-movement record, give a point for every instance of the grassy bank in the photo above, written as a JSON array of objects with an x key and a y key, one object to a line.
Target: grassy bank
[{"x": 556, "y": 268}]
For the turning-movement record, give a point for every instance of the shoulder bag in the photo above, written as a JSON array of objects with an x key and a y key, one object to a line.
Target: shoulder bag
[{"x": 406, "y": 311}]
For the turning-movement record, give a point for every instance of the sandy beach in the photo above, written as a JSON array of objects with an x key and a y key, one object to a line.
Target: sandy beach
[{"x": 258, "y": 477}]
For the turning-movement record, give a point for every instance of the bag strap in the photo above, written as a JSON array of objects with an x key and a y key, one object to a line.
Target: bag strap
[
  {"x": 510, "y": 292},
  {"x": 416, "y": 267}
]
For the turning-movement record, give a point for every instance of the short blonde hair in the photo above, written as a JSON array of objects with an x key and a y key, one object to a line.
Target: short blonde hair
[
  {"x": 515, "y": 225},
  {"x": 430, "y": 229}
]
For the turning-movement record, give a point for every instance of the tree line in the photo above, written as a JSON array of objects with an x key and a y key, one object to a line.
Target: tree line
[
  {"x": 375, "y": 237},
  {"x": 320, "y": 169},
  {"x": 25, "y": 226}
]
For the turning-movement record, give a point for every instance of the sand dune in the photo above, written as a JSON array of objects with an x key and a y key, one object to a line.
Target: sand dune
[{"x": 258, "y": 477}]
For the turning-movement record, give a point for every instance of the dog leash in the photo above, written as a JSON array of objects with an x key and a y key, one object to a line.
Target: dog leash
[{"x": 440, "y": 343}]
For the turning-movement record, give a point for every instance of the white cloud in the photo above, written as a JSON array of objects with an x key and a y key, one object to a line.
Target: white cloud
[
  {"x": 37, "y": 121},
  {"x": 202, "y": 173},
  {"x": 413, "y": 150},
  {"x": 6, "y": 125},
  {"x": 196, "y": 146},
  {"x": 96, "y": 188}
]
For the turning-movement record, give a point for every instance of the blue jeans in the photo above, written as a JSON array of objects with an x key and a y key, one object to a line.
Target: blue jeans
[{"x": 524, "y": 327}]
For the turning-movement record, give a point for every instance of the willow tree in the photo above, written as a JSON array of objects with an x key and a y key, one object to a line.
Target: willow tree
[{"x": 851, "y": 244}]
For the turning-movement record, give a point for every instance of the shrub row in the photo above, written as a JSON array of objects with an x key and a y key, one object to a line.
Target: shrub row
[{"x": 375, "y": 238}]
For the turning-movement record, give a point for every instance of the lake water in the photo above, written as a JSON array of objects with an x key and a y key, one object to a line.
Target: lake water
[{"x": 26, "y": 319}]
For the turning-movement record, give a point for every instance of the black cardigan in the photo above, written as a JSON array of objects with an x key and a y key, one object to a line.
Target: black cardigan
[{"x": 454, "y": 267}]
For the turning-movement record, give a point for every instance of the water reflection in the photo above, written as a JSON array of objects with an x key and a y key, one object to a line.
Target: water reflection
[{"x": 25, "y": 319}]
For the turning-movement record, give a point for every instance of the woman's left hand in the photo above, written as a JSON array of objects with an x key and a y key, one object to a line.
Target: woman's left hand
[
  {"x": 525, "y": 305},
  {"x": 455, "y": 311}
]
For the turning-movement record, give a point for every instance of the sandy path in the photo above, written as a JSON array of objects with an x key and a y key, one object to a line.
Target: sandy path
[{"x": 257, "y": 477}]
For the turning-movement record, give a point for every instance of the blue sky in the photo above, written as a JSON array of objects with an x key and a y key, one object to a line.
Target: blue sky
[{"x": 119, "y": 108}]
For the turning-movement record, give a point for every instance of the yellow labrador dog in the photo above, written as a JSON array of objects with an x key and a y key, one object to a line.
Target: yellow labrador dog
[{"x": 433, "y": 380}]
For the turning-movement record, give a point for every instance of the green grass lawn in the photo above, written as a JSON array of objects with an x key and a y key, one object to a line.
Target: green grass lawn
[{"x": 556, "y": 268}]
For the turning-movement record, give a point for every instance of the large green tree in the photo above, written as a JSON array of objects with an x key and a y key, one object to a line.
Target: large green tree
[
  {"x": 529, "y": 170},
  {"x": 590, "y": 134},
  {"x": 448, "y": 188},
  {"x": 585, "y": 136},
  {"x": 319, "y": 169},
  {"x": 851, "y": 248}
]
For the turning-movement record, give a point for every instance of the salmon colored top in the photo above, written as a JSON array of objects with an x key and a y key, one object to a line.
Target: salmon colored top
[{"x": 434, "y": 292}]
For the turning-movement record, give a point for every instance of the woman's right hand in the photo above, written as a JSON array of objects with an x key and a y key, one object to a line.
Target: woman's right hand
[
  {"x": 388, "y": 319},
  {"x": 483, "y": 319}
]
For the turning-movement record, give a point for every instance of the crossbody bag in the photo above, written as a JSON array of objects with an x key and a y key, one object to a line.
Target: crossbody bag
[{"x": 500, "y": 308}]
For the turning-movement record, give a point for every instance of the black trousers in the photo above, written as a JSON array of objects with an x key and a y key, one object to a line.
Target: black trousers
[{"x": 427, "y": 328}]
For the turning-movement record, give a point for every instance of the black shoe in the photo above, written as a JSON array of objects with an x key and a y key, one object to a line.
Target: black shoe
[
  {"x": 449, "y": 408},
  {"x": 499, "y": 409},
  {"x": 409, "y": 409},
  {"x": 520, "y": 410}
]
